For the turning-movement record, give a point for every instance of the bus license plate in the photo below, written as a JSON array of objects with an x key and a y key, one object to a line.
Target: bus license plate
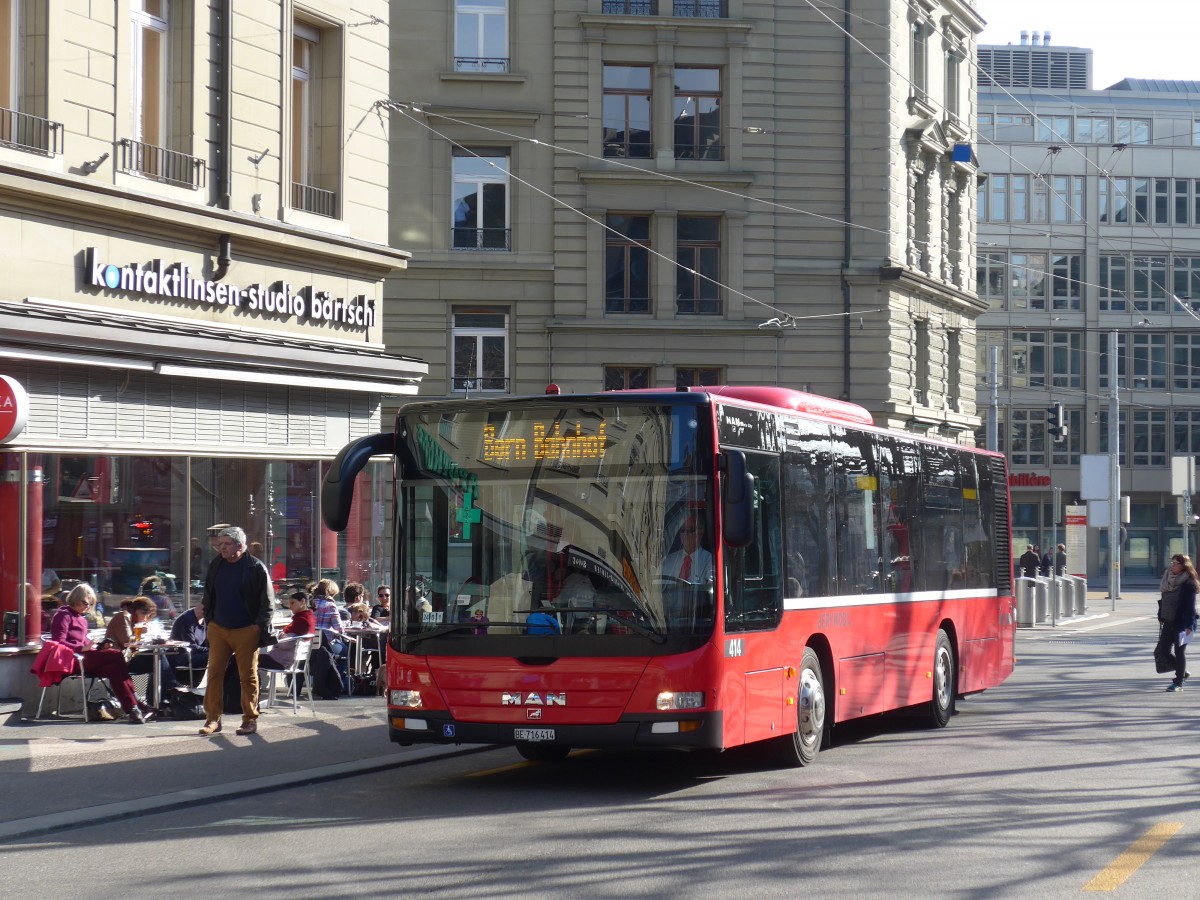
[{"x": 533, "y": 734}]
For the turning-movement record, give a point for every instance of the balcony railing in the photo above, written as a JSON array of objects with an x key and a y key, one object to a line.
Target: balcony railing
[
  {"x": 31, "y": 133},
  {"x": 479, "y": 383},
  {"x": 161, "y": 164},
  {"x": 481, "y": 64},
  {"x": 631, "y": 7},
  {"x": 702, "y": 9},
  {"x": 314, "y": 199},
  {"x": 482, "y": 238},
  {"x": 699, "y": 151}
]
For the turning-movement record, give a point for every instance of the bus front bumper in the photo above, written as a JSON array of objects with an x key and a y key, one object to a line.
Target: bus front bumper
[{"x": 700, "y": 731}]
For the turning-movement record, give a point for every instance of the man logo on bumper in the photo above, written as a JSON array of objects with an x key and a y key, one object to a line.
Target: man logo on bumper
[{"x": 533, "y": 699}]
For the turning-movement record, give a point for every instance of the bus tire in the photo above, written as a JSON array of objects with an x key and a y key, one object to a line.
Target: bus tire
[
  {"x": 543, "y": 752},
  {"x": 945, "y": 684},
  {"x": 801, "y": 747}
]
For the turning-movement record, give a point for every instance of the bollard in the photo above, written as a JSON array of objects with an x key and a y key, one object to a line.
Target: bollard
[
  {"x": 1025, "y": 602},
  {"x": 1080, "y": 596},
  {"x": 1041, "y": 594}
]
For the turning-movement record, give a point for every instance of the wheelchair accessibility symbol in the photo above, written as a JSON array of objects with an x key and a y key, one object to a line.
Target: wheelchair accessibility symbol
[{"x": 447, "y": 731}]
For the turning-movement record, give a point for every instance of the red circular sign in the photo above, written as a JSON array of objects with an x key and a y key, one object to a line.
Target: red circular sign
[{"x": 14, "y": 408}]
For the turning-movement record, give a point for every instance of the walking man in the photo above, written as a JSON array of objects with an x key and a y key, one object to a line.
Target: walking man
[{"x": 237, "y": 609}]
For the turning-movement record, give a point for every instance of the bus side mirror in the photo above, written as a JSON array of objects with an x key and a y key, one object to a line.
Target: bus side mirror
[
  {"x": 337, "y": 490},
  {"x": 737, "y": 500}
]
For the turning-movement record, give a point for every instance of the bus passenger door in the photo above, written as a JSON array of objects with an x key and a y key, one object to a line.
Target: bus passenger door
[{"x": 754, "y": 609}]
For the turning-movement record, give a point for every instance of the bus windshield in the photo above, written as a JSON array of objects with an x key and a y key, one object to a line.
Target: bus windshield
[{"x": 548, "y": 522}]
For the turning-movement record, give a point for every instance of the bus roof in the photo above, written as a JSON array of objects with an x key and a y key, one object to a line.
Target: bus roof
[{"x": 787, "y": 398}]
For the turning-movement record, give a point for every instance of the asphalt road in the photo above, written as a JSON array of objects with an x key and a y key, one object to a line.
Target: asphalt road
[{"x": 1078, "y": 774}]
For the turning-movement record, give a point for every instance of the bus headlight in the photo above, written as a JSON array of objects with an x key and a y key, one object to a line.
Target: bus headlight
[
  {"x": 409, "y": 699},
  {"x": 681, "y": 700}
]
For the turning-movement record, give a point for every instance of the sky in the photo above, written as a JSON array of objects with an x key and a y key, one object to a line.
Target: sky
[{"x": 1128, "y": 38}]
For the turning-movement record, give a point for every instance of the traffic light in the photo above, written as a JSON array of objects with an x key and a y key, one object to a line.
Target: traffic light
[{"x": 1056, "y": 423}]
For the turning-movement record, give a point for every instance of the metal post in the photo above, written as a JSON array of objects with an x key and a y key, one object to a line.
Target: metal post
[
  {"x": 1054, "y": 557},
  {"x": 1114, "y": 474}
]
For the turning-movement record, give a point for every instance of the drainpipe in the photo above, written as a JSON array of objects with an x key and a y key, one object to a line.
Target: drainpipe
[
  {"x": 224, "y": 257},
  {"x": 225, "y": 147},
  {"x": 847, "y": 196}
]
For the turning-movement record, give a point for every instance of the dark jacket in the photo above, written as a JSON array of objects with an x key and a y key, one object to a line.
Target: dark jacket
[
  {"x": 189, "y": 630},
  {"x": 1029, "y": 563},
  {"x": 1185, "y": 612},
  {"x": 256, "y": 592}
]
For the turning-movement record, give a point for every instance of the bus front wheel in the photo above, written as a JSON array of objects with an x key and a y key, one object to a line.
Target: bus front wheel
[
  {"x": 802, "y": 747},
  {"x": 941, "y": 705}
]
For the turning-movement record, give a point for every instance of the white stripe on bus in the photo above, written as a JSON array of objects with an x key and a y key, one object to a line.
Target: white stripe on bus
[{"x": 795, "y": 603}]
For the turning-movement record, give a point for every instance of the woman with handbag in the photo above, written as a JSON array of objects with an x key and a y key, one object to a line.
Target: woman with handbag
[{"x": 1176, "y": 617}]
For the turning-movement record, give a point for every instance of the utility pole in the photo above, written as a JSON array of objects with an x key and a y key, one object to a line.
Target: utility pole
[{"x": 1114, "y": 474}]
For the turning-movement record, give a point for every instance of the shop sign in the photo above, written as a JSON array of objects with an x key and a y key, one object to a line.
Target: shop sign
[
  {"x": 14, "y": 408},
  {"x": 176, "y": 281},
  {"x": 1027, "y": 479}
]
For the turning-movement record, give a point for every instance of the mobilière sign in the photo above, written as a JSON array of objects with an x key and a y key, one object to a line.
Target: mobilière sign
[
  {"x": 1027, "y": 479},
  {"x": 176, "y": 281}
]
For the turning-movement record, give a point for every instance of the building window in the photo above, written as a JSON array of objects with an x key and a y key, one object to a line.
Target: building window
[
  {"x": 1162, "y": 201},
  {"x": 627, "y": 112},
  {"x": 991, "y": 277},
  {"x": 630, "y": 7},
  {"x": 160, "y": 51},
  {"x": 1013, "y": 127},
  {"x": 1067, "y": 280},
  {"x": 1187, "y": 280},
  {"x": 698, "y": 270},
  {"x": 1028, "y": 271},
  {"x": 1027, "y": 437},
  {"x": 1066, "y": 453},
  {"x": 1149, "y": 437},
  {"x": 626, "y": 378},
  {"x": 1093, "y": 130},
  {"x": 23, "y": 51},
  {"x": 1054, "y": 128},
  {"x": 921, "y": 362},
  {"x": 918, "y": 51},
  {"x": 954, "y": 374},
  {"x": 1186, "y": 424},
  {"x": 698, "y": 114},
  {"x": 1132, "y": 131},
  {"x": 1114, "y": 200},
  {"x": 316, "y": 118},
  {"x": 479, "y": 201},
  {"x": 694, "y": 376},
  {"x": 701, "y": 9},
  {"x": 1067, "y": 204},
  {"x": 1067, "y": 352},
  {"x": 1028, "y": 366},
  {"x": 1186, "y": 357},
  {"x": 1141, "y": 200},
  {"x": 1150, "y": 283},
  {"x": 480, "y": 350},
  {"x": 1182, "y": 205},
  {"x": 627, "y": 264},
  {"x": 1018, "y": 207},
  {"x": 1149, "y": 361},
  {"x": 481, "y": 35},
  {"x": 1114, "y": 283},
  {"x": 954, "y": 83}
]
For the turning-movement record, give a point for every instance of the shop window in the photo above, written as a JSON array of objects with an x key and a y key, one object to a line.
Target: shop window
[{"x": 316, "y": 118}]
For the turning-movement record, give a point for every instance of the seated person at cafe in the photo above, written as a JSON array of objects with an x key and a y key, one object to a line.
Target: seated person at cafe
[
  {"x": 354, "y": 592},
  {"x": 191, "y": 629},
  {"x": 360, "y": 618},
  {"x": 70, "y": 628},
  {"x": 328, "y": 618},
  {"x": 383, "y": 603},
  {"x": 283, "y": 654},
  {"x": 122, "y": 633}
]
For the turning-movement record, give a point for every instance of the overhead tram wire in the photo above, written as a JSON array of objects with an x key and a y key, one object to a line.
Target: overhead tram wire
[{"x": 784, "y": 318}]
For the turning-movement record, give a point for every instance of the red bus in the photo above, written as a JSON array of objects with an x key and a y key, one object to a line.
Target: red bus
[{"x": 833, "y": 570}]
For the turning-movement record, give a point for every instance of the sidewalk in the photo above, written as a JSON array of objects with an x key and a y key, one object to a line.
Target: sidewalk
[{"x": 59, "y": 774}]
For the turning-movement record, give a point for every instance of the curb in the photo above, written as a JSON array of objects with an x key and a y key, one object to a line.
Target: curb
[{"x": 110, "y": 812}]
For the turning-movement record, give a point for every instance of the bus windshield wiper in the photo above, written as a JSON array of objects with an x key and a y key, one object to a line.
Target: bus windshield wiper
[{"x": 646, "y": 630}]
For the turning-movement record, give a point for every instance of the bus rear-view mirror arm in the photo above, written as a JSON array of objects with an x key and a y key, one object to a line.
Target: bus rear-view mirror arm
[
  {"x": 337, "y": 490},
  {"x": 737, "y": 500}
]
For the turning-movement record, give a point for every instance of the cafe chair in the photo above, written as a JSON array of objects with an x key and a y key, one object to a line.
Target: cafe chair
[
  {"x": 50, "y": 669},
  {"x": 298, "y": 669}
]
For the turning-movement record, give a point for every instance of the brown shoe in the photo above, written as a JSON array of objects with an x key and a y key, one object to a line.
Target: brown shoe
[
  {"x": 247, "y": 727},
  {"x": 210, "y": 728}
]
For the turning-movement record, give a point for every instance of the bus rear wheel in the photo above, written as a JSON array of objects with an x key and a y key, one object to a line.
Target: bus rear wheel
[
  {"x": 543, "y": 752},
  {"x": 945, "y": 684},
  {"x": 802, "y": 747}
]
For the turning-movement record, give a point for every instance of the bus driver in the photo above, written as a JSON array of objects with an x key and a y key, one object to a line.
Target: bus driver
[{"x": 691, "y": 562}]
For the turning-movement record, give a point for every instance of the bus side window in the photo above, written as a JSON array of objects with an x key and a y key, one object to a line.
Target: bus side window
[
  {"x": 754, "y": 573},
  {"x": 808, "y": 508}
]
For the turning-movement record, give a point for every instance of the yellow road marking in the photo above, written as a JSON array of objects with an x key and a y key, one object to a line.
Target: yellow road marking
[{"x": 1115, "y": 874}]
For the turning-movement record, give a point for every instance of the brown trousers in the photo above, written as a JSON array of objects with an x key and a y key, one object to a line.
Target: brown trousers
[{"x": 242, "y": 645}]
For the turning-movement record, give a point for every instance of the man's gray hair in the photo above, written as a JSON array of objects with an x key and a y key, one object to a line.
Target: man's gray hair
[{"x": 238, "y": 535}]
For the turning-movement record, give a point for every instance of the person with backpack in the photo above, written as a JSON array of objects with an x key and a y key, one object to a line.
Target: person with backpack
[{"x": 1176, "y": 617}]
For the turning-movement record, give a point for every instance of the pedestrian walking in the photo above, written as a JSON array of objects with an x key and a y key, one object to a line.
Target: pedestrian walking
[{"x": 1176, "y": 618}]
